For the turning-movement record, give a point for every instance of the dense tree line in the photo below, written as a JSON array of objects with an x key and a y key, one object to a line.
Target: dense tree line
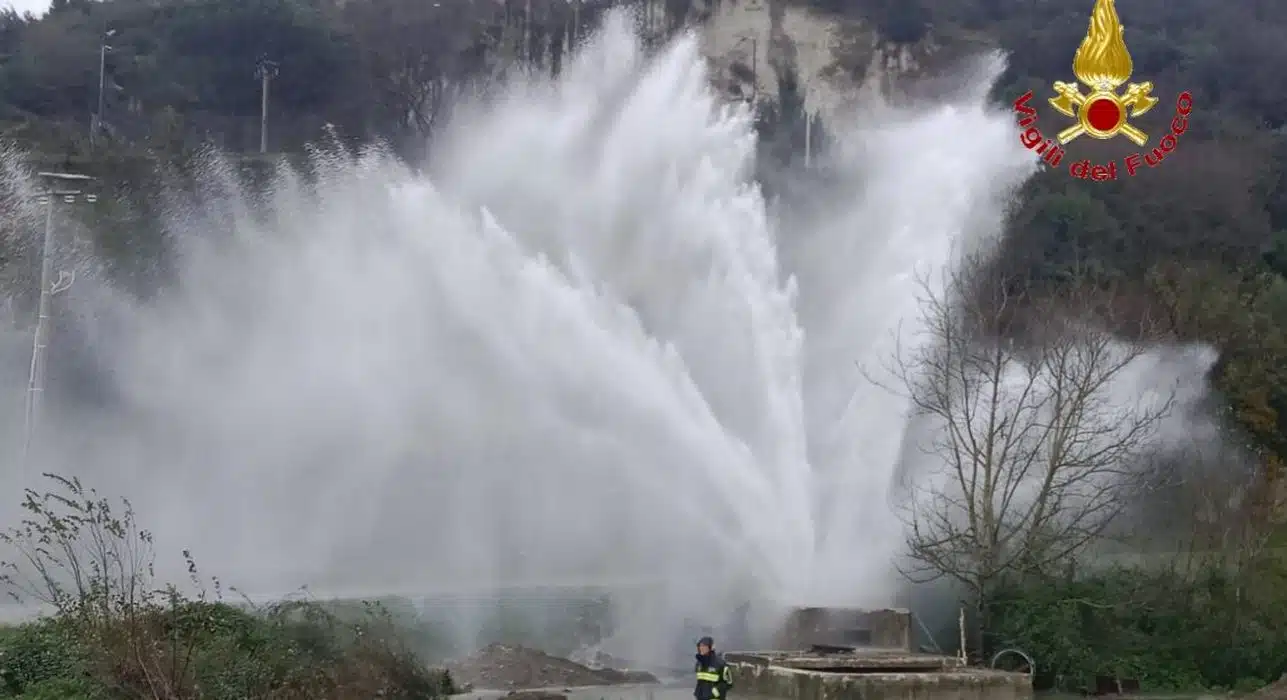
[
  {"x": 1194, "y": 249},
  {"x": 180, "y": 71}
]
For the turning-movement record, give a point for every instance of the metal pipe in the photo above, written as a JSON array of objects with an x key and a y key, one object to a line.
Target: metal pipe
[{"x": 965, "y": 657}]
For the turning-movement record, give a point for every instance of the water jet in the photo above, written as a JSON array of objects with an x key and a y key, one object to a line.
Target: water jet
[{"x": 577, "y": 349}]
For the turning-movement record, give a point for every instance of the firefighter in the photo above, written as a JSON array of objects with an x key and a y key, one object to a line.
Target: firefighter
[{"x": 713, "y": 676}]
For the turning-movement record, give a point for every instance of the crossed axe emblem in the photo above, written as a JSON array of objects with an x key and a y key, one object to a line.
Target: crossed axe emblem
[{"x": 1072, "y": 103}]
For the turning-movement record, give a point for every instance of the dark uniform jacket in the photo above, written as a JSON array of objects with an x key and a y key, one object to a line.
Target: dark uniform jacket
[{"x": 713, "y": 677}]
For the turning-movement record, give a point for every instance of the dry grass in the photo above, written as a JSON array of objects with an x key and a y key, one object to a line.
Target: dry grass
[{"x": 116, "y": 634}]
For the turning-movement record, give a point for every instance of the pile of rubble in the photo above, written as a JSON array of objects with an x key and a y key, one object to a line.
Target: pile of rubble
[
  {"x": 598, "y": 659},
  {"x": 512, "y": 667}
]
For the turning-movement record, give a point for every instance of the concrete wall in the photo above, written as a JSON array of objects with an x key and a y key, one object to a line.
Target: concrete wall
[
  {"x": 889, "y": 629},
  {"x": 753, "y": 681}
]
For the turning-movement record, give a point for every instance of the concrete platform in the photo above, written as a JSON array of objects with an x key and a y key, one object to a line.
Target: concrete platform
[
  {"x": 869, "y": 674},
  {"x": 804, "y": 627}
]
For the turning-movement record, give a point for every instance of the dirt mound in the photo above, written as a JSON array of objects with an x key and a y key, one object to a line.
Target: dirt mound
[
  {"x": 1274, "y": 691},
  {"x": 509, "y": 667}
]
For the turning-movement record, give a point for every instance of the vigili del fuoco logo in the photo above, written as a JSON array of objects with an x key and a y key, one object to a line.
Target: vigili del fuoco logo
[{"x": 1102, "y": 64}]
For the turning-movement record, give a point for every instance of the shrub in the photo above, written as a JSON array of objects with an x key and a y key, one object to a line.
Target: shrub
[
  {"x": 114, "y": 634},
  {"x": 42, "y": 655},
  {"x": 1173, "y": 630}
]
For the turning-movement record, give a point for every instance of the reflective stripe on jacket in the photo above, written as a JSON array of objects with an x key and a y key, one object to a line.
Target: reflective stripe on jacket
[{"x": 714, "y": 678}]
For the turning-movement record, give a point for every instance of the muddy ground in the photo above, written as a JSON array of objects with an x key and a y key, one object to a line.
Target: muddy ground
[{"x": 514, "y": 667}]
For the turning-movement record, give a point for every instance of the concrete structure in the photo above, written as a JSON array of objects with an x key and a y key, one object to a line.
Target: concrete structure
[
  {"x": 853, "y": 654},
  {"x": 850, "y": 627},
  {"x": 869, "y": 674}
]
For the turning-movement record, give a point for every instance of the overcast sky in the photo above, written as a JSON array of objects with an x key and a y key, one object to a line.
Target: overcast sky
[{"x": 36, "y": 6}]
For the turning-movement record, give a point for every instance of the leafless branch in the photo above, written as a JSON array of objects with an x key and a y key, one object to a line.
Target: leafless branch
[{"x": 1035, "y": 445}]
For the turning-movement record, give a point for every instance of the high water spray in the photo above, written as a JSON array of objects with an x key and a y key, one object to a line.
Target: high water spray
[{"x": 579, "y": 352}]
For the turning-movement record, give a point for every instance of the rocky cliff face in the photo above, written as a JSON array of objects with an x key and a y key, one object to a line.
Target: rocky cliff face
[{"x": 756, "y": 45}]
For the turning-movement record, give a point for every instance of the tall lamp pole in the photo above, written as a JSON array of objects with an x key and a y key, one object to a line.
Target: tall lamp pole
[
  {"x": 56, "y": 186},
  {"x": 808, "y": 125},
  {"x": 97, "y": 122},
  {"x": 265, "y": 70},
  {"x": 755, "y": 67}
]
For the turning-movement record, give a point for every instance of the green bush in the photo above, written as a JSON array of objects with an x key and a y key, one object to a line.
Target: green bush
[
  {"x": 1173, "y": 630},
  {"x": 65, "y": 689},
  {"x": 115, "y": 636},
  {"x": 40, "y": 657}
]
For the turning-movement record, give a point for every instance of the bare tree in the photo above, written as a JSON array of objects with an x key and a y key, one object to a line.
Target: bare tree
[
  {"x": 413, "y": 54},
  {"x": 1203, "y": 507},
  {"x": 1033, "y": 442}
]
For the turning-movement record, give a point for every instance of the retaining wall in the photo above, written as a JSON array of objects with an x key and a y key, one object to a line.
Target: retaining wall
[{"x": 883, "y": 677}]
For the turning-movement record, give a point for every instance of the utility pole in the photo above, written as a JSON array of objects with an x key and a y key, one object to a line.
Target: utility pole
[
  {"x": 527, "y": 32},
  {"x": 755, "y": 67},
  {"x": 97, "y": 122},
  {"x": 56, "y": 186},
  {"x": 265, "y": 70},
  {"x": 808, "y": 126},
  {"x": 808, "y": 138}
]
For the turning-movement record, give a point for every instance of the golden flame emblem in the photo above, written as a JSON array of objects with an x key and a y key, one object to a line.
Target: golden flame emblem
[{"x": 1102, "y": 64}]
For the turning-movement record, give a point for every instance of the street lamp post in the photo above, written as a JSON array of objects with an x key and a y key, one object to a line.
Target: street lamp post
[
  {"x": 811, "y": 113},
  {"x": 57, "y": 186},
  {"x": 265, "y": 70},
  {"x": 97, "y": 122},
  {"x": 808, "y": 129},
  {"x": 527, "y": 32},
  {"x": 755, "y": 66},
  {"x": 808, "y": 138}
]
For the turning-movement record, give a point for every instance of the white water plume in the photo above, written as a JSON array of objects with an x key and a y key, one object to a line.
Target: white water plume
[{"x": 579, "y": 351}]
